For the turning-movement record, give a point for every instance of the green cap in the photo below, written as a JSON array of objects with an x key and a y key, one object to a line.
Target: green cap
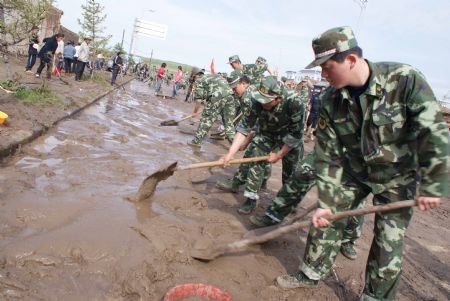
[
  {"x": 261, "y": 59},
  {"x": 195, "y": 71},
  {"x": 267, "y": 90},
  {"x": 330, "y": 42},
  {"x": 233, "y": 58},
  {"x": 234, "y": 77}
]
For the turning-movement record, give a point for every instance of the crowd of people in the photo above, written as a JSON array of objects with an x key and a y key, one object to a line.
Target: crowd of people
[
  {"x": 57, "y": 56},
  {"x": 379, "y": 131}
]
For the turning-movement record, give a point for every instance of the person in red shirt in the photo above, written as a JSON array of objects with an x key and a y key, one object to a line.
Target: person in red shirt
[
  {"x": 160, "y": 77},
  {"x": 177, "y": 81}
]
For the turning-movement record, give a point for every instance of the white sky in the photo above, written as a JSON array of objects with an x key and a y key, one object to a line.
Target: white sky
[{"x": 416, "y": 32}]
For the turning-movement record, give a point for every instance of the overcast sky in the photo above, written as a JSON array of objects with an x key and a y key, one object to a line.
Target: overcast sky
[{"x": 416, "y": 32}]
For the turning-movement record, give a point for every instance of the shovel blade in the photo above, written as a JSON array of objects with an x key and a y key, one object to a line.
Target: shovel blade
[
  {"x": 148, "y": 186},
  {"x": 169, "y": 123}
]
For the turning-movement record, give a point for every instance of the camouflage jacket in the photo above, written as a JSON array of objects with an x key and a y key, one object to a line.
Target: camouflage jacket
[
  {"x": 254, "y": 72},
  {"x": 245, "y": 101},
  {"x": 395, "y": 135},
  {"x": 284, "y": 121},
  {"x": 211, "y": 88}
]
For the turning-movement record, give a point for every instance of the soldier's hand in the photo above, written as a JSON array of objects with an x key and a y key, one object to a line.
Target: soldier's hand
[
  {"x": 273, "y": 157},
  {"x": 318, "y": 219},
  {"x": 226, "y": 159},
  {"x": 427, "y": 202}
]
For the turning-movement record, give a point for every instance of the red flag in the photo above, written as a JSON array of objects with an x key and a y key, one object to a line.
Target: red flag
[{"x": 212, "y": 67}]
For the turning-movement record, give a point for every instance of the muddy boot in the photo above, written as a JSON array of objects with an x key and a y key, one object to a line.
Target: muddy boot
[
  {"x": 218, "y": 136},
  {"x": 262, "y": 221},
  {"x": 264, "y": 185},
  {"x": 348, "y": 250},
  {"x": 248, "y": 206},
  {"x": 296, "y": 281},
  {"x": 194, "y": 143},
  {"x": 228, "y": 185}
]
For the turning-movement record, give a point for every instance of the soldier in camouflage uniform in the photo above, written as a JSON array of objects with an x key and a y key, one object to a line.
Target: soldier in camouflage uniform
[
  {"x": 243, "y": 93},
  {"x": 293, "y": 192},
  {"x": 217, "y": 94},
  {"x": 254, "y": 72},
  {"x": 386, "y": 118},
  {"x": 278, "y": 113}
]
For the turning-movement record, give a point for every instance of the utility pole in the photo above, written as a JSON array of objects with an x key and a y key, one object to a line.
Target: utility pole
[
  {"x": 151, "y": 56},
  {"x": 123, "y": 36},
  {"x": 132, "y": 37}
]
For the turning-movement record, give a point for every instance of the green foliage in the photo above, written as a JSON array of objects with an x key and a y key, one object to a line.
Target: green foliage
[
  {"x": 91, "y": 24},
  {"x": 96, "y": 77},
  {"x": 40, "y": 96},
  {"x": 18, "y": 16},
  {"x": 118, "y": 47},
  {"x": 10, "y": 85},
  {"x": 171, "y": 66}
]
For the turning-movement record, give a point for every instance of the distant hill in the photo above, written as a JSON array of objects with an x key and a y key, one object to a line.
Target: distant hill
[{"x": 171, "y": 66}]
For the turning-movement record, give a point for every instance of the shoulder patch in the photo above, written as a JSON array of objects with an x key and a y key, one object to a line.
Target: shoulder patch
[{"x": 322, "y": 123}]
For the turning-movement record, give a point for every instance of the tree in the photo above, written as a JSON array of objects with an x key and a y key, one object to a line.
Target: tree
[
  {"x": 91, "y": 24},
  {"x": 118, "y": 47},
  {"x": 17, "y": 17}
]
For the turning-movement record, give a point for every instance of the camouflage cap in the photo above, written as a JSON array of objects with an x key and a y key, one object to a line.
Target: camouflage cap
[
  {"x": 267, "y": 90},
  {"x": 195, "y": 71},
  {"x": 330, "y": 42},
  {"x": 233, "y": 58},
  {"x": 234, "y": 77},
  {"x": 261, "y": 59}
]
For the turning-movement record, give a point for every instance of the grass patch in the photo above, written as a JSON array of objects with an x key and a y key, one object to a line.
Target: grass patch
[
  {"x": 10, "y": 85},
  {"x": 39, "y": 96},
  {"x": 96, "y": 78}
]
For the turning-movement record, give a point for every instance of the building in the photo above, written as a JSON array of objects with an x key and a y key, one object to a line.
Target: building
[{"x": 312, "y": 74}]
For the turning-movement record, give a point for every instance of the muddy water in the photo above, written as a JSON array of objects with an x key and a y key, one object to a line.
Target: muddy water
[{"x": 68, "y": 230}]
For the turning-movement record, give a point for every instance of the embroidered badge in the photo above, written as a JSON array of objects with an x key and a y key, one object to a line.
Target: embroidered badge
[{"x": 322, "y": 124}]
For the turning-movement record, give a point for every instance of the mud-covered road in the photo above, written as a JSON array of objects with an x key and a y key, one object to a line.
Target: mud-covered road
[{"x": 68, "y": 230}]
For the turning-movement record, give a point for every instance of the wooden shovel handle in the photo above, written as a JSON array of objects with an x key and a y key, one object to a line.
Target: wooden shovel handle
[
  {"x": 220, "y": 163},
  {"x": 237, "y": 117},
  {"x": 240, "y": 244},
  {"x": 184, "y": 118}
]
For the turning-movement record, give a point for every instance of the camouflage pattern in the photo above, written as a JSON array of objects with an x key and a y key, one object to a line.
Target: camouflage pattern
[
  {"x": 244, "y": 103},
  {"x": 241, "y": 175},
  {"x": 396, "y": 150},
  {"x": 276, "y": 127},
  {"x": 254, "y": 72},
  {"x": 335, "y": 40},
  {"x": 233, "y": 58},
  {"x": 293, "y": 192},
  {"x": 261, "y": 60},
  {"x": 214, "y": 90}
]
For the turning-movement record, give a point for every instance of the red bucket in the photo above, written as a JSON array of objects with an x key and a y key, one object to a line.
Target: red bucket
[{"x": 209, "y": 292}]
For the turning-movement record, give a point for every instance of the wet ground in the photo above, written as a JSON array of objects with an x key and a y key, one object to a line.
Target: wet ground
[{"x": 69, "y": 230}]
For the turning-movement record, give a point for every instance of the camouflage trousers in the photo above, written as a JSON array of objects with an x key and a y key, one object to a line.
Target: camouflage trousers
[
  {"x": 262, "y": 145},
  {"x": 224, "y": 107},
  {"x": 384, "y": 263},
  {"x": 295, "y": 190},
  {"x": 240, "y": 177}
]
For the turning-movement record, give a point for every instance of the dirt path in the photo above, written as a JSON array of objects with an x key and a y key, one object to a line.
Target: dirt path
[{"x": 68, "y": 232}]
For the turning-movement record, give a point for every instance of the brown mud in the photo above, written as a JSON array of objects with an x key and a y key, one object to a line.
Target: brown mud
[{"x": 68, "y": 232}]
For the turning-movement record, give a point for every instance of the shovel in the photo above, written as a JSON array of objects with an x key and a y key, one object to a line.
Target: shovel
[
  {"x": 172, "y": 122},
  {"x": 241, "y": 245},
  {"x": 148, "y": 186},
  {"x": 289, "y": 220}
]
